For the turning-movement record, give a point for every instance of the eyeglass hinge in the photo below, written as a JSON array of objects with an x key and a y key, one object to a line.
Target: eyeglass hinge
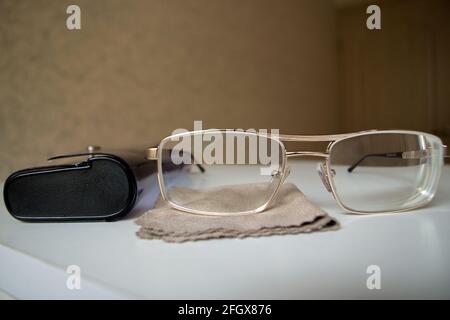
[
  {"x": 151, "y": 153},
  {"x": 416, "y": 154}
]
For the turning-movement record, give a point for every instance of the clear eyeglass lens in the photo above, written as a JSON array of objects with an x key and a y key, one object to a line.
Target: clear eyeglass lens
[
  {"x": 386, "y": 171},
  {"x": 220, "y": 171}
]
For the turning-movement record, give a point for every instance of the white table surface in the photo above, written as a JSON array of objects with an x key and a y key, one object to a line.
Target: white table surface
[{"x": 411, "y": 249}]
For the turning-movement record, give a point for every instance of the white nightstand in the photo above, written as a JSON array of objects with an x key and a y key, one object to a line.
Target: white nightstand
[{"x": 411, "y": 249}]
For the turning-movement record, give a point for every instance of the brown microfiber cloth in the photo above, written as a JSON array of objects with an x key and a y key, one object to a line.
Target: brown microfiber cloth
[{"x": 292, "y": 213}]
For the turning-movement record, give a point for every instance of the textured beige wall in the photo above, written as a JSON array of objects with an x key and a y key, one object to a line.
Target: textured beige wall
[
  {"x": 399, "y": 76},
  {"x": 139, "y": 69}
]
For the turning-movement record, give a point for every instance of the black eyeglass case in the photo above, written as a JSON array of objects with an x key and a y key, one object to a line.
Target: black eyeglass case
[{"x": 80, "y": 187}]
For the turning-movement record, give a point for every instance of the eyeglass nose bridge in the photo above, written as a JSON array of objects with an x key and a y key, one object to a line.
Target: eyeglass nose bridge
[{"x": 321, "y": 170}]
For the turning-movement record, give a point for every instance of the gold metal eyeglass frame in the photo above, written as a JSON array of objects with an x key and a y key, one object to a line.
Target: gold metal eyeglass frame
[{"x": 325, "y": 172}]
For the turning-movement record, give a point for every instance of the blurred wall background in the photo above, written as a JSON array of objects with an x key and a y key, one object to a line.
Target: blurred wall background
[
  {"x": 398, "y": 77},
  {"x": 139, "y": 69}
]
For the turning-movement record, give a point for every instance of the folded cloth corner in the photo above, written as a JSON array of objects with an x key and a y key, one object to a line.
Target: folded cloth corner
[{"x": 291, "y": 213}]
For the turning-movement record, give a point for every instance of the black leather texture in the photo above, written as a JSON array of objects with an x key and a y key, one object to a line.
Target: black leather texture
[{"x": 86, "y": 187}]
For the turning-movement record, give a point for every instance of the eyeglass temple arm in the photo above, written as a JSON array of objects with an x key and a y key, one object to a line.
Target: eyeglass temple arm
[
  {"x": 415, "y": 154},
  {"x": 152, "y": 154},
  {"x": 199, "y": 166}
]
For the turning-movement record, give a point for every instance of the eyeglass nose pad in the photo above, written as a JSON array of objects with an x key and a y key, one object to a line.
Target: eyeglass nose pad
[
  {"x": 287, "y": 172},
  {"x": 276, "y": 174},
  {"x": 323, "y": 175}
]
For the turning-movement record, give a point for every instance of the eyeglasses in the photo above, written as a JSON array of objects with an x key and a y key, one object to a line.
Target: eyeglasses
[{"x": 242, "y": 172}]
